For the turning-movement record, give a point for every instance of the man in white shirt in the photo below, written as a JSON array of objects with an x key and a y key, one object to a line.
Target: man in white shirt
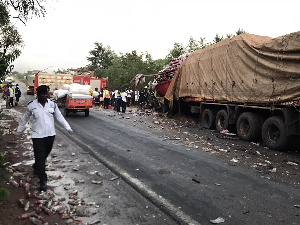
[
  {"x": 41, "y": 113},
  {"x": 124, "y": 101}
]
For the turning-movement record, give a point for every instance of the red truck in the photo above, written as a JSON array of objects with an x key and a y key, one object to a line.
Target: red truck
[
  {"x": 77, "y": 103},
  {"x": 247, "y": 84},
  {"x": 95, "y": 82}
]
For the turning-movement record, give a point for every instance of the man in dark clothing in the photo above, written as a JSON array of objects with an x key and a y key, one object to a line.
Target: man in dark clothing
[{"x": 17, "y": 94}]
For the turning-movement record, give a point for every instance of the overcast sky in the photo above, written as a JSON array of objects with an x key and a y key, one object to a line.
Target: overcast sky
[{"x": 65, "y": 36}]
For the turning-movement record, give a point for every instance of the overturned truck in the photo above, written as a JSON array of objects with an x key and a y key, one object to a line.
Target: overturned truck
[{"x": 248, "y": 83}]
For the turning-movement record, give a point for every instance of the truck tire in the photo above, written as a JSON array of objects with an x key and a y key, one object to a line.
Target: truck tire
[
  {"x": 221, "y": 120},
  {"x": 66, "y": 112},
  {"x": 208, "y": 119},
  {"x": 248, "y": 126},
  {"x": 274, "y": 133},
  {"x": 86, "y": 112}
]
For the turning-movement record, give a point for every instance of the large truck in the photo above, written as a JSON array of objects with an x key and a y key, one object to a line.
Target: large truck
[
  {"x": 30, "y": 83},
  {"x": 248, "y": 84},
  {"x": 95, "y": 82},
  {"x": 54, "y": 81}
]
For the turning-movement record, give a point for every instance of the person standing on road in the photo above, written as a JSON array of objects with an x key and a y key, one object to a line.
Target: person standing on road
[
  {"x": 17, "y": 94},
  {"x": 124, "y": 101},
  {"x": 11, "y": 96},
  {"x": 118, "y": 100},
  {"x": 106, "y": 98},
  {"x": 41, "y": 113}
]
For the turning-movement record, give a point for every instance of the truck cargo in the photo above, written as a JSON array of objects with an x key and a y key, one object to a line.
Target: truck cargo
[
  {"x": 74, "y": 98},
  {"x": 54, "y": 81},
  {"x": 95, "y": 82},
  {"x": 248, "y": 83},
  {"x": 30, "y": 84}
]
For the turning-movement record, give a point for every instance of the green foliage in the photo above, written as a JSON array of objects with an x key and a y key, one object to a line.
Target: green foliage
[
  {"x": 218, "y": 38},
  {"x": 4, "y": 194},
  {"x": 4, "y": 16},
  {"x": 240, "y": 31},
  {"x": 178, "y": 50},
  {"x": 10, "y": 42},
  {"x": 1, "y": 159},
  {"x": 100, "y": 57},
  {"x": 125, "y": 67}
]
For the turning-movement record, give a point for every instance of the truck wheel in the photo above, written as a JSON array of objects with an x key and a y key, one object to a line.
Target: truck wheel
[
  {"x": 208, "y": 119},
  {"x": 66, "y": 112},
  {"x": 86, "y": 112},
  {"x": 248, "y": 126},
  {"x": 221, "y": 120},
  {"x": 274, "y": 133}
]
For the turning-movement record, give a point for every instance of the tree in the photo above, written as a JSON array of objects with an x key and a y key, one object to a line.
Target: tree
[
  {"x": 217, "y": 38},
  {"x": 26, "y": 9},
  {"x": 177, "y": 51},
  {"x": 193, "y": 45},
  {"x": 100, "y": 57},
  {"x": 10, "y": 42},
  {"x": 126, "y": 66},
  {"x": 240, "y": 31}
]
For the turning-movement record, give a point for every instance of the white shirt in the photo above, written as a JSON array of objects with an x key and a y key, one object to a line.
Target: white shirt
[
  {"x": 123, "y": 96},
  {"x": 42, "y": 119}
]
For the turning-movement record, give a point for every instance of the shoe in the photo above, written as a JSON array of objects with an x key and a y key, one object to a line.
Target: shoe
[{"x": 43, "y": 186}]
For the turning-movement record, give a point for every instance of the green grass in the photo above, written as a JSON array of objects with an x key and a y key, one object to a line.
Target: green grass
[
  {"x": 4, "y": 194},
  {"x": 1, "y": 158}
]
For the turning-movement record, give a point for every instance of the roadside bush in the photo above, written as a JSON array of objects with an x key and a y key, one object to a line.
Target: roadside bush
[
  {"x": 4, "y": 194},
  {"x": 1, "y": 159}
]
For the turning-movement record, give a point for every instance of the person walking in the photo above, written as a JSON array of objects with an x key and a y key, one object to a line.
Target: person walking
[
  {"x": 41, "y": 113},
  {"x": 17, "y": 94},
  {"x": 124, "y": 101}
]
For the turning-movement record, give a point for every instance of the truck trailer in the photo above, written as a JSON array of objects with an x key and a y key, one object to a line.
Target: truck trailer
[
  {"x": 54, "y": 81},
  {"x": 248, "y": 83}
]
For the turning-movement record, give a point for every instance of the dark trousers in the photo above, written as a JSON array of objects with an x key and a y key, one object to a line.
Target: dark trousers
[
  {"x": 17, "y": 100},
  {"x": 123, "y": 104},
  {"x": 42, "y": 148},
  {"x": 11, "y": 101},
  {"x": 106, "y": 102},
  {"x": 118, "y": 105}
]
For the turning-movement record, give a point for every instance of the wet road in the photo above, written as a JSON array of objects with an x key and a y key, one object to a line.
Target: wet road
[{"x": 192, "y": 186}]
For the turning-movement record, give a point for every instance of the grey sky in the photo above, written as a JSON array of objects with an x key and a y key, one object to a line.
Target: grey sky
[{"x": 65, "y": 36}]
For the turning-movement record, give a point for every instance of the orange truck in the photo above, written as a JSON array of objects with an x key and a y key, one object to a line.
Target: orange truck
[{"x": 73, "y": 103}]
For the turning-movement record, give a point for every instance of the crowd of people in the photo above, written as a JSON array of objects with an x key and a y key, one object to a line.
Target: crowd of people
[
  {"x": 10, "y": 94},
  {"x": 121, "y": 99}
]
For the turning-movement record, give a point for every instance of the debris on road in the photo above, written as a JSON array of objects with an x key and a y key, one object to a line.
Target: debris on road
[{"x": 218, "y": 220}]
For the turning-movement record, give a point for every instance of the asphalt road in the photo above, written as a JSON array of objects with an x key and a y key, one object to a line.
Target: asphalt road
[{"x": 191, "y": 186}]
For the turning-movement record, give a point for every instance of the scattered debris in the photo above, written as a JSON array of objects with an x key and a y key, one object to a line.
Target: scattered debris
[{"x": 218, "y": 220}]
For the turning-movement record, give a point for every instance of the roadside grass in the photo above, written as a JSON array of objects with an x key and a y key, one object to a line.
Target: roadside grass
[{"x": 4, "y": 192}]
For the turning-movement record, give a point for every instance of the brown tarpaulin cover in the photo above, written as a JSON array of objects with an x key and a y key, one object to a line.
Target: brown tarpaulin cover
[{"x": 246, "y": 68}]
